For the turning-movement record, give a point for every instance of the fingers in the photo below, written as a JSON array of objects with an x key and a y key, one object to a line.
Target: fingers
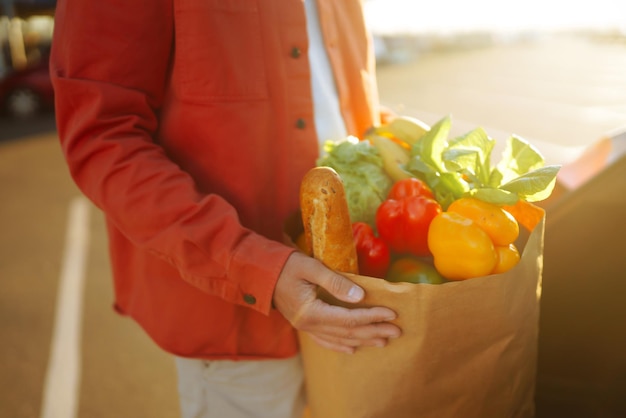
[
  {"x": 321, "y": 314},
  {"x": 344, "y": 330},
  {"x": 338, "y": 340},
  {"x": 335, "y": 327},
  {"x": 333, "y": 345},
  {"x": 308, "y": 269},
  {"x": 342, "y": 348},
  {"x": 371, "y": 333},
  {"x": 339, "y": 286}
]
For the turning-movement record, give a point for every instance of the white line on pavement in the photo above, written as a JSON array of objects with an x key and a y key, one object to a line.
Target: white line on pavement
[{"x": 61, "y": 389}]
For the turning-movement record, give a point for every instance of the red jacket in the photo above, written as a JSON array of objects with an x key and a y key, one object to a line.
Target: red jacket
[{"x": 189, "y": 124}]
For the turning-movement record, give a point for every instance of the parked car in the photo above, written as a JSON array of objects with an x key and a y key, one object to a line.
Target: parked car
[{"x": 27, "y": 92}]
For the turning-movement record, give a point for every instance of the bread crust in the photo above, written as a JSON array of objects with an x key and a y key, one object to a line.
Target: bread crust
[{"x": 326, "y": 220}]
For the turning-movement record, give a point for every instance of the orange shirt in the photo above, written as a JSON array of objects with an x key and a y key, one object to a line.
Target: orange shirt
[{"x": 189, "y": 123}]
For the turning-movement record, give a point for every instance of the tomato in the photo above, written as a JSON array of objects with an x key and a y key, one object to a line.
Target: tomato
[
  {"x": 372, "y": 252},
  {"x": 403, "y": 224},
  {"x": 413, "y": 270},
  {"x": 460, "y": 248}
]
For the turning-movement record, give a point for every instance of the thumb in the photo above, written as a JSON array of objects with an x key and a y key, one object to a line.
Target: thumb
[{"x": 340, "y": 287}]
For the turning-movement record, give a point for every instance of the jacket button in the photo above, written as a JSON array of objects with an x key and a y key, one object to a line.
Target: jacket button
[
  {"x": 249, "y": 299},
  {"x": 300, "y": 124},
  {"x": 296, "y": 52}
]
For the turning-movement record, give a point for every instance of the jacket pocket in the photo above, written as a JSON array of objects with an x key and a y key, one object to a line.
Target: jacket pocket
[{"x": 219, "y": 51}]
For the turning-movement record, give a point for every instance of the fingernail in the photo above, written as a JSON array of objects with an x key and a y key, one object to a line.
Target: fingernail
[
  {"x": 390, "y": 317},
  {"x": 355, "y": 294}
]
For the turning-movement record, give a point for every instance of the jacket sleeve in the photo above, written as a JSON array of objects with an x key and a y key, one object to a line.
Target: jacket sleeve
[{"x": 109, "y": 68}]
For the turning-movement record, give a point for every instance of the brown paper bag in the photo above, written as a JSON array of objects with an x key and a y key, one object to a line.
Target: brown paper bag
[{"x": 468, "y": 350}]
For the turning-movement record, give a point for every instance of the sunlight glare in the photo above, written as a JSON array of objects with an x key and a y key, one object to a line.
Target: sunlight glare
[{"x": 445, "y": 16}]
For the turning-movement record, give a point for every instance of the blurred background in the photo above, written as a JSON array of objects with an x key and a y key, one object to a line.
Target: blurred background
[{"x": 551, "y": 71}]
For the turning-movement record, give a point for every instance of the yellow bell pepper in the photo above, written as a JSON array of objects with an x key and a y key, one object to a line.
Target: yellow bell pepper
[
  {"x": 499, "y": 224},
  {"x": 474, "y": 238},
  {"x": 461, "y": 249},
  {"x": 508, "y": 257}
]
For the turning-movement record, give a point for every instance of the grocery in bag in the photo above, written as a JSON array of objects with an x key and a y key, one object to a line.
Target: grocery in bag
[{"x": 469, "y": 343}]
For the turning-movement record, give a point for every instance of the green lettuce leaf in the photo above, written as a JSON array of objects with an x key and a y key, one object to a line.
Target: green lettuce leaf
[
  {"x": 365, "y": 181},
  {"x": 535, "y": 185},
  {"x": 462, "y": 166},
  {"x": 519, "y": 157}
]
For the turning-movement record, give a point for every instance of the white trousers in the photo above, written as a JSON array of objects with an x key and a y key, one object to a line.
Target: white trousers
[{"x": 241, "y": 389}]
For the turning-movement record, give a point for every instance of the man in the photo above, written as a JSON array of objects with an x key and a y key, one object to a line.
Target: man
[{"x": 190, "y": 123}]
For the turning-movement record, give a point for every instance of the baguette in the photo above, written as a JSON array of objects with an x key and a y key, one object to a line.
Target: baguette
[{"x": 326, "y": 220}]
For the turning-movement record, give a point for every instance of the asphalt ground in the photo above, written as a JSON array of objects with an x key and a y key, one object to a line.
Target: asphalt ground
[
  {"x": 120, "y": 372},
  {"x": 563, "y": 94}
]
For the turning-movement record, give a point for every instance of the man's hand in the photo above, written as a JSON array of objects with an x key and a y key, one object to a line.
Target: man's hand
[{"x": 333, "y": 327}]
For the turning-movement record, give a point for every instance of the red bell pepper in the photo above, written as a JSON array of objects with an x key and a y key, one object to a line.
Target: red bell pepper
[
  {"x": 409, "y": 187},
  {"x": 373, "y": 253},
  {"x": 403, "y": 219}
]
